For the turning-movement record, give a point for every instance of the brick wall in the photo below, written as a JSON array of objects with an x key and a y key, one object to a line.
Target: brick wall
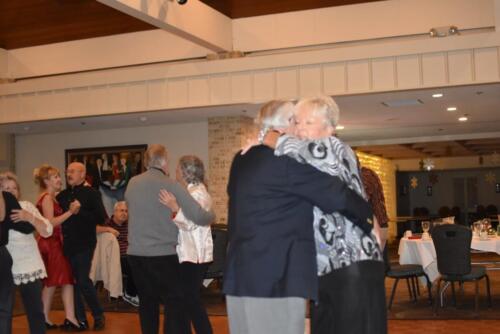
[
  {"x": 386, "y": 171},
  {"x": 226, "y": 136}
]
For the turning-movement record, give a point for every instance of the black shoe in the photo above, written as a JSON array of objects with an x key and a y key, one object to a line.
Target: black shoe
[
  {"x": 50, "y": 326},
  {"x": 68, "y": 326},
  {"x": 99, "y": 323},
  {"x": 84, "y": 325}
]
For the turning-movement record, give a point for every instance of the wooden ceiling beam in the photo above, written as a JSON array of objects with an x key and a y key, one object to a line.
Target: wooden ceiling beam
[{"x": 194, "y": 21}]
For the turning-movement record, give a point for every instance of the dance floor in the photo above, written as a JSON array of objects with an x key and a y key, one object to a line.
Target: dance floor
[
  {"x": 405, "y": 317},
  {"x": 128, "y": 323}
]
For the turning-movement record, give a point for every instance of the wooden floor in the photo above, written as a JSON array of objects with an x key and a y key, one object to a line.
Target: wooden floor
[{"x": 125, "y": 323}]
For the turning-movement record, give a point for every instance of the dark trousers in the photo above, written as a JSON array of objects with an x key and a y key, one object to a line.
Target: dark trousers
[
  {"x": 128, "y": 279},
  {"x": 31, "y": 294},
  {"x": 6, "y": 291},
  {"x": 158, "y": 281},
  {"x": 192, "y": 275},
  {"x": 80, "y": 265},
  {"x": 351, "y": 300}
]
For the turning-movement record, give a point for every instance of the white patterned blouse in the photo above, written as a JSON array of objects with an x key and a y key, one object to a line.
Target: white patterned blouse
[{"x": 27, "y": 261}]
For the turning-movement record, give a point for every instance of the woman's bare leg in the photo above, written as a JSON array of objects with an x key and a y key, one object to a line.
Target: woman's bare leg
[
  {"x": 47, "y": 295},
  {"x": 69, "y": 304}
]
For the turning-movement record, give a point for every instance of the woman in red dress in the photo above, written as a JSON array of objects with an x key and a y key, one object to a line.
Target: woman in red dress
[{"x": 57, "y": 265}]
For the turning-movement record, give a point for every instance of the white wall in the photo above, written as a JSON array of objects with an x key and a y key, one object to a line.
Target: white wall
[{"x": 33, "y": 150}]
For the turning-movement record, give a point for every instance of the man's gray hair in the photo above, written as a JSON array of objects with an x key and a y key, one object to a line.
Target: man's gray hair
[
  {"x": 323, "y": 106},
  {"x": 156, "y": 156},
  {"x": 117, "y": 204},
  {"x": 275, "y": 114}
]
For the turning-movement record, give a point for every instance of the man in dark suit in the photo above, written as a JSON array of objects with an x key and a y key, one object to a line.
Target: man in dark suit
[{"x": 271, "y": 261}]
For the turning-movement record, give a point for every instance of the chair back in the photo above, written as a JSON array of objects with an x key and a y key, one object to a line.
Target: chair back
[
  {"x": 220, "y": 238},
  {"x": 452, "y": 244}
]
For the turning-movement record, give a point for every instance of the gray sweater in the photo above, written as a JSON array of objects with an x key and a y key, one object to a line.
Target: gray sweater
[{"x": 151, "y": 231}]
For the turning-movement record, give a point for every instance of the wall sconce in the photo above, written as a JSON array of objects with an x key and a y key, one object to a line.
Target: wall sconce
[{"x": 444, "y": 31}]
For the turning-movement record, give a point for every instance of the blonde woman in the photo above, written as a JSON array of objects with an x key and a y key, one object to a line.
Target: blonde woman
[
  {"x": 58, "y": 268},
  {"x": 27, "y": 269}
]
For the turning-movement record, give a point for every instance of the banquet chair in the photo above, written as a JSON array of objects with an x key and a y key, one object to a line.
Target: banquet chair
[
  {"x": 452, "y": 243},
  {"x": 410, "y": 272},
  {"x": 216, "y": 268}
]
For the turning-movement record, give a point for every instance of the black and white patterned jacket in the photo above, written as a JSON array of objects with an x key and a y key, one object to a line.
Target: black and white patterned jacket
[{"x": 339, "y": 242}]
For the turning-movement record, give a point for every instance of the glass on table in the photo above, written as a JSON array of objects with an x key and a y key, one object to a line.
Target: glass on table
[
  {"x": 426, "y": 225},
  {"x": 483, "y": 232},
  {"x": 476, "y": 228}
]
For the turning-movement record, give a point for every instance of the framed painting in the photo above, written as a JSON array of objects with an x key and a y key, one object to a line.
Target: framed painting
[{"x": 109, "y": 169}]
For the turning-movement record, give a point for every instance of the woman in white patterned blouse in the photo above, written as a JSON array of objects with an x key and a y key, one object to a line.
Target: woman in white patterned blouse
[{"x": 28, "y": 269}]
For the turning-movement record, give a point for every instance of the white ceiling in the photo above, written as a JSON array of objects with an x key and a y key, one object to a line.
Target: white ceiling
[{"x": 366, "y": 119}]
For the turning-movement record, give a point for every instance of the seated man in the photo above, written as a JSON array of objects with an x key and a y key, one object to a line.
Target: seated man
[{"x": 117, "y": 224}]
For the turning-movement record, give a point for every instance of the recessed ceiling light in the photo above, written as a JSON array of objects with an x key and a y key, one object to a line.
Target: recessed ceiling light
[
  {"x": 143, "y": 118},
  {"x": 451, "y": 108},
  {"x": 339, "y": 127},
  {"x": 437, "y": 95},
  {"x": 463, "y": 119}
]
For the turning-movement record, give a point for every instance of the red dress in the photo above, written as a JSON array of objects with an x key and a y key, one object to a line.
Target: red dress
[{"x": 57, "y": 265}]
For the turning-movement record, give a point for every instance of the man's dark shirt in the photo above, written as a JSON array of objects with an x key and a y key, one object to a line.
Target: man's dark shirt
[
  {"x": 123, "y": 236},
  {"x": 79, "y": 230}
]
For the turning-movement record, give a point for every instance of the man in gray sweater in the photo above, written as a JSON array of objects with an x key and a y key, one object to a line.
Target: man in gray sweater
[{"x": 152, "y": 243}]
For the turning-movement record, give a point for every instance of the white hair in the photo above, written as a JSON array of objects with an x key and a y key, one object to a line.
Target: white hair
[
  {"x": 117, "y": 204},
  {"x": 323, "y": 106},
  {"x": 275, "y": 114}
]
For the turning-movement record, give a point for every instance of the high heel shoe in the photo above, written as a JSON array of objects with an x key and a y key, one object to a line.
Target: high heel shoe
[
  {"x": 50, "y": 326},
  {"x": 68, "y": 326}
]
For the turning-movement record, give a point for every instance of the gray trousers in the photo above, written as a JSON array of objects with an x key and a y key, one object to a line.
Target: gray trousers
[{"x": 252, "y": 315}]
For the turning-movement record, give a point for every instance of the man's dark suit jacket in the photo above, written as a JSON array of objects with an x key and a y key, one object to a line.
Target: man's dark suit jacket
[{"x": 271, "y": 250}]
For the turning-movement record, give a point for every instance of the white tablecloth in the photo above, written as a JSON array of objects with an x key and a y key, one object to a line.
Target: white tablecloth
[
  {"x": 418, "y": 251},
  {"x": 422, "y": 252}
]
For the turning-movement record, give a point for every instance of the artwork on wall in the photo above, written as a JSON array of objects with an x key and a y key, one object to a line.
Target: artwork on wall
[{"x": 109, "y": 169}]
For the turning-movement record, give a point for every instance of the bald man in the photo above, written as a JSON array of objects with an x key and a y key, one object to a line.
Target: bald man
[{"x": 79, "y": 234}]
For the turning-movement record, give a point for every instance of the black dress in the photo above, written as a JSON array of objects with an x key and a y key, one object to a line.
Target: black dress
[{"x": 6, "y": 280}]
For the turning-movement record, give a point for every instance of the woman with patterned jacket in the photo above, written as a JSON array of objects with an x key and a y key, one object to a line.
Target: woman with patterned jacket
[{"x": 350, "y": 267}]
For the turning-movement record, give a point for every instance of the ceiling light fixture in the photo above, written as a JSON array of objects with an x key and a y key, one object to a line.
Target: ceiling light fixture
[
  {"x": 437, "y": 95},
  {"x": 451, "y": 108},
  {"x": 339, "y": 127},
  {"x": 444, "y": 31},
  {"x": 463, "y": 119},
  {"x": 143, "y": 118}
]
